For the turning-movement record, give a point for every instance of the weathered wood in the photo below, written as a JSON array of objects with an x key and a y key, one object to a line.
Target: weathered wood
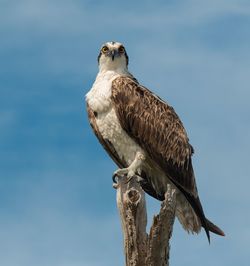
[
  {"x": 132, "y": 206},
  {"x": 140, "y": 248},
  {"x": 161, "y": 231}
]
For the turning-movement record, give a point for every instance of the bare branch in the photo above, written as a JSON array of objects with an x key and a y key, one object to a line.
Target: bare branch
[
  {"x": 161, "y": 231},
  {"x": 132, "y": 207},
  {"x": 140, "y": 248}
]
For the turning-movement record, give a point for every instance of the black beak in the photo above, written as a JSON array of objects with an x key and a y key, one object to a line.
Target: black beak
[{"x": 113, "y": 55}]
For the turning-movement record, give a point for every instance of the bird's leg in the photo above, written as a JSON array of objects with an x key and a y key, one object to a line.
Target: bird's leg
[{"x": 132, "y": 169}]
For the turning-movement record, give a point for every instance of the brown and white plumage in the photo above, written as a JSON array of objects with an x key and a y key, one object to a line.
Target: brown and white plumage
[{"x": 128, "y": 120}]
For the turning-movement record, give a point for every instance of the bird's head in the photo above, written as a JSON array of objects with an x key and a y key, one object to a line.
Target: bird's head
[{"x": 113, "y": 56}]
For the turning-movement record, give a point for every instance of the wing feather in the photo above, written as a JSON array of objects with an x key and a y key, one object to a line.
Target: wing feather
[{"x": 154, "y": 124}]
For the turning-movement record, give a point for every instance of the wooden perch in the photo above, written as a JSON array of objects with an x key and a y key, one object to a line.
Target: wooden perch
[{"x": 140, "y": 248}]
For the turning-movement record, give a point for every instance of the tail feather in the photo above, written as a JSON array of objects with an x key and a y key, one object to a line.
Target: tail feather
[
  {"x": 194, "y": 202},
  {"x": 214, "y": 228},
  {"x": 197, "y": 207}
]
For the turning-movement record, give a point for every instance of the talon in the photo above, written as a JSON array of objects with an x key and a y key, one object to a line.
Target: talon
[
  {"x": 129, "y": 179},
  {"x": 119, "y": 173},
  {"x": 138, "y": 178},
  {"x": 131, "y": 170},
  {"x": 114, "y": 178}
]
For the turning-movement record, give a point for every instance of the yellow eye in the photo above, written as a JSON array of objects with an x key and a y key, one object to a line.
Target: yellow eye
[
  {"x": 105, "y": 49},
  {"x": 121, "y": 49}
]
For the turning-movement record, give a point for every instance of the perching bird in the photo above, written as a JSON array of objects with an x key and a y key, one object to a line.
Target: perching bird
[{"x": 144, "y": 136}]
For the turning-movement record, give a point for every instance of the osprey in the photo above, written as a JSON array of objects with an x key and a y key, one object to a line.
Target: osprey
[{"x": 144, "y": 136}]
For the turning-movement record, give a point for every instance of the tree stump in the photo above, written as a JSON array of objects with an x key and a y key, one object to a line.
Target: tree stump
[{"x": 140, "y": 248}]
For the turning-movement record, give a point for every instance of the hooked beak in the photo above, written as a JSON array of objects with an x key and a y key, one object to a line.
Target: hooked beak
[{"x": 113, "y": 54}]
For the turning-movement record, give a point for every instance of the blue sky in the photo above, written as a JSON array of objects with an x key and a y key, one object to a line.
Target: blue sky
[{"x": 57, "y": 203}]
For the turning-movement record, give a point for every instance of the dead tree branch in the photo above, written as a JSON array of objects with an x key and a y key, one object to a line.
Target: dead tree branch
[{"x": 140, "y": 248}]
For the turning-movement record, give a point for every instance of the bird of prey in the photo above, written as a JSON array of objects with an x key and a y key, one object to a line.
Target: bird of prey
[{"x": 144, "y": 136}]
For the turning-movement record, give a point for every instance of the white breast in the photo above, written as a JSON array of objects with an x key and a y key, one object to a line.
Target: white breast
[
  {"x": 108, "y": 124},
  {"x": 111, "y": 129},
  {"x": 98, "y": 97}
]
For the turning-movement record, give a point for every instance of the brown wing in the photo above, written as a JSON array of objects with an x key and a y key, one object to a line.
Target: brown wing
[{"x": 155, "y": 126}]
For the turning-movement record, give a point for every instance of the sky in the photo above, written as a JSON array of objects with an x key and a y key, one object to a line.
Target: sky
[{"x": 57, "y": 204}]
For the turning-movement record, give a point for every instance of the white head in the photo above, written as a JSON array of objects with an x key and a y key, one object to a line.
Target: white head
[{"x": 113, "y": 56}]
